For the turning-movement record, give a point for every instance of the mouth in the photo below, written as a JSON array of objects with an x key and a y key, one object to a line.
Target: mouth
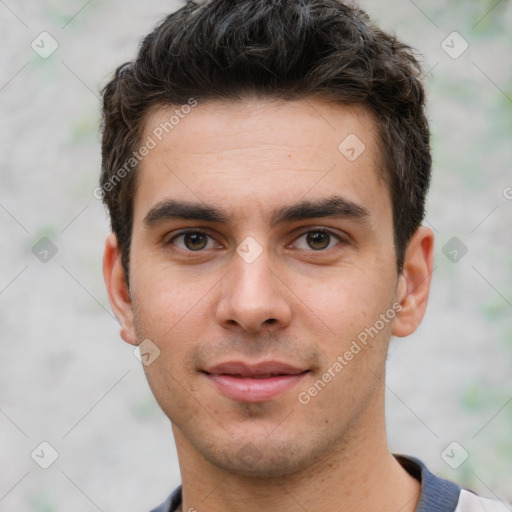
[{"x": 254, "y": 383}]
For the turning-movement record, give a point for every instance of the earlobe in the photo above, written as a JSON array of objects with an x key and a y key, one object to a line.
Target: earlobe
[
  {"x": 118, "y": 292},
  {"x": 414, "y": 283}
]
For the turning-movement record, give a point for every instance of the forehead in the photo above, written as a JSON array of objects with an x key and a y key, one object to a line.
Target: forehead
[
  {"x": 264, "y": 121},
  {"x": 253, "y": 154}
]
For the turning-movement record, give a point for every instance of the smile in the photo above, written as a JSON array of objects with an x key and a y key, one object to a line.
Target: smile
[{"x": 254, "y": 383}]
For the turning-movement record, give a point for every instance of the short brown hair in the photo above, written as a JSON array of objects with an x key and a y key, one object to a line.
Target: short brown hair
[{"x": 278, "y": 49}]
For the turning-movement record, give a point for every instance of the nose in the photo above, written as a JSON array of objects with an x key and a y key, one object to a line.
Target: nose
[{"x": 254, "y": 297}]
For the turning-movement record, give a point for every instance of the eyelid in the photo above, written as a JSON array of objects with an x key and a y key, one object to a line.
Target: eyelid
[{"x": 185, "y": 231}]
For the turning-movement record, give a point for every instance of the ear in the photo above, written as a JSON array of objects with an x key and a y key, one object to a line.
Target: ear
[
  {"x": 118, "y": 292},
  {"x": 414, "y": 282}
]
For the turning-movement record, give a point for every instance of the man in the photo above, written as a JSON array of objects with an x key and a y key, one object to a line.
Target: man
[{"x": 265, "y": 166}]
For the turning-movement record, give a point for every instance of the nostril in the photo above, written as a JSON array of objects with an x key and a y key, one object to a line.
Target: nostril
[{"x": 270, "y": 321}]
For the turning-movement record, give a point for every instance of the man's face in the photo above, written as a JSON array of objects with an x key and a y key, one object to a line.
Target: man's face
[{"x": 259, "y": 300}]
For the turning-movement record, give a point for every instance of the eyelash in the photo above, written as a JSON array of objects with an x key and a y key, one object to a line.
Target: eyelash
[{"x": 315, "y": 230}]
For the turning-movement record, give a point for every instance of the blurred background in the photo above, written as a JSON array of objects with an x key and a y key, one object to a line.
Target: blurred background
[{"x": 67, "y": 380}]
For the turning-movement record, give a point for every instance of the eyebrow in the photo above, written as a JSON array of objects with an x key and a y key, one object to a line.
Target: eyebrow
[{"x": 334, "y": 206}]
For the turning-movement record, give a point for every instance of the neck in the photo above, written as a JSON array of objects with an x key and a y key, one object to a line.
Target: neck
[{"x": 358, "y": 473}]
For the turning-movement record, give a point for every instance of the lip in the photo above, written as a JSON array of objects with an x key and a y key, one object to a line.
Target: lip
[{"x": 254, "y": 382}]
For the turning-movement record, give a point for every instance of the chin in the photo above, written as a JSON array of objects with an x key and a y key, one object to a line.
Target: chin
[{"x": 266, "y": 459}]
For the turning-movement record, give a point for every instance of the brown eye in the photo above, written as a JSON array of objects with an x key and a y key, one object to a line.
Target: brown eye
[
  {"x": 318, "y": 240},
  {"x": 192, "y": 241},
  {"x": 195, "y": 241}
]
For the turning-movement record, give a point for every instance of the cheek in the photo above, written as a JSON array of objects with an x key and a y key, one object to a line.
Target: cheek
[
  {"x": 166, "y": 303},
  {"x": 172, "y": 391},
  {"x": 165, "y": 322},
  {"x": 347, "y": 303}
]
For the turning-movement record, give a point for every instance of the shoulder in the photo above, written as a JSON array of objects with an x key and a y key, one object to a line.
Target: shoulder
[
  {"x": 441, "y": 495},
  {"x": 469, "y": 502},
  {"x": 171, "y": 503}
]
